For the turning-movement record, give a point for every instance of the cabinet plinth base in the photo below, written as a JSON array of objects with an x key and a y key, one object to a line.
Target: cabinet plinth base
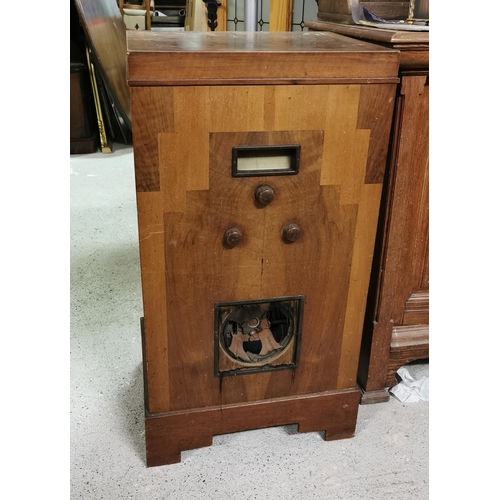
[
  {"x": 167, "y": 434},
  {"x": 370, "y": 397}
]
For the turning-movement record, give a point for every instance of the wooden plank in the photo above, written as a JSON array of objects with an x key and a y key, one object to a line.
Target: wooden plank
[
  {"x": 154, "y": 298},
  {"x": 421, "y": 10},
  {"x": 416, "y": 309},
  {"x": 106, "y": 33},
  {"x": 345, "y": 159},
  {"x": 371, "y": 34},
  {"x": 376, "y": 111},
  {"x": 280, "y": 15},
  {"x": 300, "y": 107},
  {"x": 197, "y": 16},
  {"x": 153, "y": 115},
  {"x": 167, "y": 435},
  {"x": 408, "y": 337},
  {"x": 366, "y": 226},
  {"x": 334, "y": 18},
  {"x": 247, "y": 56},
  {"x": 335, "y": 6},
  {"x": 222, "y": 16},
  {"x": 388, "y": 9},
  {"x": 425, "y": 275},
  {"x": 244, "y": 108},
  {"x": 408, "y": 343},
  {"x": 371, "y": 397}
]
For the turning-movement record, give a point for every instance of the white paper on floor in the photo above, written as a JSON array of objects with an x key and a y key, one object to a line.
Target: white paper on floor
[{"x": 410, "y": 390}]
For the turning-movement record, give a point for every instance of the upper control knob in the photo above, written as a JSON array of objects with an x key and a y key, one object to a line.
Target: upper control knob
[
  {"x": 233, "y": 237},
  {"x": 264, "y": 194},
  {"x": 292, "y": 232}
]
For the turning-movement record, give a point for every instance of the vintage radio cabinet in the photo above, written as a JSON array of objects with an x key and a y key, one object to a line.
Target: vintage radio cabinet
[{"x": 259, "y": 160}]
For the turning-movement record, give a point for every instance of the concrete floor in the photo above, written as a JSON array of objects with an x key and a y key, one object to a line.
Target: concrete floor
[{"x": 387, "y": 459}]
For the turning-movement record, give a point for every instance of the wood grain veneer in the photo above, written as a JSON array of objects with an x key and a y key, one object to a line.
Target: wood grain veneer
[{"x": 187, "y": 198}]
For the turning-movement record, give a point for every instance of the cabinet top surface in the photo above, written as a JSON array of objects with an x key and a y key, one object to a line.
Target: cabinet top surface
[
  {"x": 230, "y": 41},
  {"x": 369, "y": 33},
  {"x": 241, "y": 58}
]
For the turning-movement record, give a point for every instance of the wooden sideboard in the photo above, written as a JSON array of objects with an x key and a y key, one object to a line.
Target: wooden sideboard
[{"x": 396, "y": 328}]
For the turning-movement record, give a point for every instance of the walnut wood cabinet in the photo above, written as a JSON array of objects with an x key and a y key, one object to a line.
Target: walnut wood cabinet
[
  {"x": 397, "y": 317},
  {"x": 259, "y": 162}
]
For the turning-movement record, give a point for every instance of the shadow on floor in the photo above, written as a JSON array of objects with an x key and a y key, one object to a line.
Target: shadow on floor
[{"x": 131, "y": 401}]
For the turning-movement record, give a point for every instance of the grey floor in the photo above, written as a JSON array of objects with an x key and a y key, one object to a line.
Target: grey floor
[{"x": 387, "y": 459}]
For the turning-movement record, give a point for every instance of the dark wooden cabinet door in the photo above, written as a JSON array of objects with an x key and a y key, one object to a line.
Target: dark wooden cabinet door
[
  {"x": 397, "y": 326},
  {"x": 407, "y": 234}
]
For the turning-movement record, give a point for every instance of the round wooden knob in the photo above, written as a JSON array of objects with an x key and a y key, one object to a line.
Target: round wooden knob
[
  {"x": 292, "y": 232},
  {"x": 233, "y": 237},
  {"x": 264, "y": 194}
]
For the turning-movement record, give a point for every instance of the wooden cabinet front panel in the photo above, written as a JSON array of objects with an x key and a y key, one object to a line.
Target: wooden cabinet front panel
[{"x": 187, "y": 199}]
